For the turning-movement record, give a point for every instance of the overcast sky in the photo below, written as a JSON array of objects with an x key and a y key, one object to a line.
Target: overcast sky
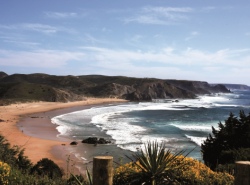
[{"x": 167, "y": 39}]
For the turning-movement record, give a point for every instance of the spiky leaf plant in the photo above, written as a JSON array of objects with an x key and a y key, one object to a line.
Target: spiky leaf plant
[{"x": 155, "y": 165}]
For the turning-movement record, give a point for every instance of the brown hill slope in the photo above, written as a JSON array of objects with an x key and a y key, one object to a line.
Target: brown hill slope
[{"x": 35, "y": 87}]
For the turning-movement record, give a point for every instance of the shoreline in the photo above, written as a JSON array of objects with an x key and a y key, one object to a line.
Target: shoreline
[{"x": 28, "y": 125}]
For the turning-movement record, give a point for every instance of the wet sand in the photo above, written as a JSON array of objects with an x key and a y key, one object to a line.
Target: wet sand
[{"x": 28, "y": 125}]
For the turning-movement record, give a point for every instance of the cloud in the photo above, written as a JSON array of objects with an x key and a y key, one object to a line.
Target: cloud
[
  {"x": 47, "y": 29},
  {"x": 169, "y": 56},
  {"x": 61, "y": 15},
  {"x": 99, "y": 56},
  {"x": 208, "y": 9},
  {"x": 192, "y": 35},
  {"x": 166, "y": 63},
  {"x": 38, "y": 58},
  {"x": 160, "y": 15},
  {"x": 37, "y": 27},
  {"x": 43, "y": 28}
]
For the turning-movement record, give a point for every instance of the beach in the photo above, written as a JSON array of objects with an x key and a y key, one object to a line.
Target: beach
[{"x": 28, "y": 125}]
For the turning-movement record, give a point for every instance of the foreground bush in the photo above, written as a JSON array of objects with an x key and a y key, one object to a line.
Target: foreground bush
[
  {"x": 14, "y": 156},
  {"x": 195, "y": 172},
  {"x": 4, "y": 173},
  {"x": 47, "y": 167},
  {"x": 153, "y": 165},
  {"x": 157, "y": 166}
]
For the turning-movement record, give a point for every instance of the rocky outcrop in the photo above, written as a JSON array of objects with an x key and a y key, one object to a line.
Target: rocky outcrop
[
  {"x": 199, "y": 87},
  {"x": 158, "y": 90},
  {"x": 95, "y": 140},
  {"x": 74, "y": 143}
]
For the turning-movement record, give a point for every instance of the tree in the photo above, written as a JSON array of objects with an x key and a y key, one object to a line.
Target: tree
[{"x": 221, "y": 146}]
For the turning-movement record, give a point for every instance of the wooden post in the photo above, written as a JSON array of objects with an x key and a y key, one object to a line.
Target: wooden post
[
  {"x": 242, "y": 173},
  {"x": 103, "y": 170}
]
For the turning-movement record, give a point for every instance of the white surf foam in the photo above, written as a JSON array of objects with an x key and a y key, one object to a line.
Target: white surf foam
[
  {"x": 205, "y": 128},
  {"x": 197, "y": 140}
]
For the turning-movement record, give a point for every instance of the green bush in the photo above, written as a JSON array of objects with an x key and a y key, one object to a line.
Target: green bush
[
  {"x": 14, "y": 156},
  {"x": 46, "y": 167}
]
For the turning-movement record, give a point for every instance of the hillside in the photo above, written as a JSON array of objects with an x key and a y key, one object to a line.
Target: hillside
[
  {"x": 237, "y": 86},
  {"x": 44, "y": 87}
]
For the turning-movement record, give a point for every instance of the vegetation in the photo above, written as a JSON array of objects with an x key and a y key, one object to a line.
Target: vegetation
[
  {"x": 15, "y": 168},
  {"x": 47, "y": 167},
  {"x": 4, "y": 173},
  {"x": 154, "y": 165},
  {"x": 229, "y": 143},
  {"x": 151, "y": 166}
]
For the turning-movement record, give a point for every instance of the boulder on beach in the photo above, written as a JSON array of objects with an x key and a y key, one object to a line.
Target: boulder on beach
[
  {"x": 95, "y": 140},
  {"x": 73, "y": 143}
]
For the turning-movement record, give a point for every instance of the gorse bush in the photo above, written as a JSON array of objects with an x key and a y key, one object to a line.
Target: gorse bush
[
  {"x": 190, "y": 171},
  {"x": 4, "y": 173},
  {"x": 154, "y": 165},
  {"x": 195, "y": 172}
]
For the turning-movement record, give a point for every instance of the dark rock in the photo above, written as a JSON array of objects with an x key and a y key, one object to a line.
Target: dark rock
[
  {"x": 73, "y": 143},
  {"x": 103, "y": 141},
  {"x": 90, "y": 140},
  {"x": 95, "y": 140}
]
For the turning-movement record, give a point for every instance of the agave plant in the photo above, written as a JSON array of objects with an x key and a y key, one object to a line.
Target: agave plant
[
  {"x": 155, "y": 164},
  {"x": 88, "y": 182}
]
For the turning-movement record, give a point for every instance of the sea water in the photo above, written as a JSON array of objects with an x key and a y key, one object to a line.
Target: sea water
[{"x": 181, "y": 124}]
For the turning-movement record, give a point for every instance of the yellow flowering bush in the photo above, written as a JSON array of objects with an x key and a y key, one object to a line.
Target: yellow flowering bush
[
  {"x": 189, "y": 171},
  {"x": 194, "y": 171},
  {"x": 124, "y": 172},
  {"x": 4, "y": 173}
]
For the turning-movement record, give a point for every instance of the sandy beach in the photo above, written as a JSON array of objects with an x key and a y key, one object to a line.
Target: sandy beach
[{"x": 28, "y": 125}]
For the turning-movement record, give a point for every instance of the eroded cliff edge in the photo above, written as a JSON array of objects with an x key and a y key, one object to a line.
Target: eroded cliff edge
[{"x": 44, "y": 87}]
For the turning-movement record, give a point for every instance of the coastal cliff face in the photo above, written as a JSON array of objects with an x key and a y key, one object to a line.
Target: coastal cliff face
[
  {"x": 43, "y": 87},
  {"x": 237, "y": 86}
]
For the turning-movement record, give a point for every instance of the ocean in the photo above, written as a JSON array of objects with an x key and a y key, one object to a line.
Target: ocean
[{"x": 182, "y": 124}]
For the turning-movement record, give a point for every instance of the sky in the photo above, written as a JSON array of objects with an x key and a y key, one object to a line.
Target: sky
[{"x": 204, "y": 40}]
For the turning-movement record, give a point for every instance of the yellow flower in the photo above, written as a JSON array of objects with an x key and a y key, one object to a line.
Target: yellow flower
[{"x": 4, "y": 173}]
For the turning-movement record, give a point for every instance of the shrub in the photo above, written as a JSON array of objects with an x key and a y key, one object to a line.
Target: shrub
[
  {"x": 152, "y": 166},
  {"x": 189, "y": 171},
  {"x": 46, "y": 167},
  {"x": 195, "y": 172},
  {"x": 18, "y": 177},
  {"x": 14, "y": 156},
  {"x": 4, "y": 173}
]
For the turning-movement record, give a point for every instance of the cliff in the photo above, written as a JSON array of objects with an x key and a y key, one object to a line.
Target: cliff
[
  {"x": 237, "y": 86},
  {"x": 44, "y": 87}
]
